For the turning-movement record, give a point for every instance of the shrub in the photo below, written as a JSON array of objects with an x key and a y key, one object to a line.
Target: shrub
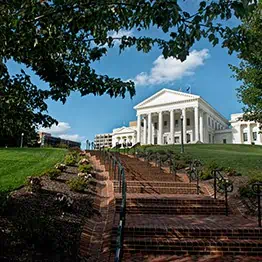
[
  {"x": 246, "y": 191},
  {"x": 78, "y": 184},
  {"x": 231, "y": 171},
  {"x": 85, "y": 168},
  {"x": 205, "y": 174},
  {"x": 34, "y": 184},
  {"x": 65, "y": 202},
  {"x": 70, "y": 160},
  {"x": 180, "y": 164},
  {"x": 54, "y": 173},
  {"x": 61, "y": 167}
]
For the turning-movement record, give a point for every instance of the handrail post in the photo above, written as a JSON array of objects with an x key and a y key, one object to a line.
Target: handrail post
[
  {"x": 257, "y": 189},
  {"x": 198, "y": 188},
  {"x": 226, "y": 200},
  {"x": 259, "y": 206},
  {"x": 215, "y": 184}
]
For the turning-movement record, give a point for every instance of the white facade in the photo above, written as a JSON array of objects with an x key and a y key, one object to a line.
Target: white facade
[
  {"x": 161, "y": 116},
  {"x": 169, "y": 115},
  {"x": 124, "y": 135},
  {"x": 245, "y": 132}
]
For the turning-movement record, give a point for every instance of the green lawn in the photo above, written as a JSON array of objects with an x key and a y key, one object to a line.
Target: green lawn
[
  {"x": 16, "y": 164},
  {"x": 244, "y": 158}
]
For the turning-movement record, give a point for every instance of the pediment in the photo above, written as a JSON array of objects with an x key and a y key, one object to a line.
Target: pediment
[
  {"x": 123, "y": 130},
  {"x": 165, "y": 96}
]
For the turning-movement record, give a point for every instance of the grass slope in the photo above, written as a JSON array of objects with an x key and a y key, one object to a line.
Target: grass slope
[
  {"x": 244, "y": 158},
  {"x": 16, "y": 164}
]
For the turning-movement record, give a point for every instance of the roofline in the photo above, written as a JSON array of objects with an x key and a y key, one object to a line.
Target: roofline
[
  {"x": 205, "y": 102},
  {"x": 163, "y": 90}
]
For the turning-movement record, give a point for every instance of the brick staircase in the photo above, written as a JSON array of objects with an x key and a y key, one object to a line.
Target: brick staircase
[{"x": 165, "y": 216}]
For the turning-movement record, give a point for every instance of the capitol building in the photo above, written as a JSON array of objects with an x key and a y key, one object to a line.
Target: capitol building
[{"x": 169, "y": 116}]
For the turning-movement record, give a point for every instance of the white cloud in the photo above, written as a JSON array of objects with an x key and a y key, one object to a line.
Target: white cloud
[
  {"x": 61, "y": 130},
  {"x": 171, "y": 69},
  {"x": 75, "y": 137}
]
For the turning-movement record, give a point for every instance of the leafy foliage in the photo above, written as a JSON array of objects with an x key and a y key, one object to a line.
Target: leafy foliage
[
  {"x": 87, "y": 168},
  {"x": 70, "y": 159},
  {"x": 54, "y": 173},
  {"x": 78, "y": 184},
  {"x": 22, "y": 108},
  {"x": 249, "y": 72},
  {"x": 60, "y": 40}
]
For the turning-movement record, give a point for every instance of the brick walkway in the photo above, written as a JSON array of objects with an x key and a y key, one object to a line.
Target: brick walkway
[{"x": 167, "y": 221}]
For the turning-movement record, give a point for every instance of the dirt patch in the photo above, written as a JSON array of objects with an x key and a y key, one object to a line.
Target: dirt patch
[{"x": 37, "y": 227}]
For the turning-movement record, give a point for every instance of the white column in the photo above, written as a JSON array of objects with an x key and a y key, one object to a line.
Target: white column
[
  {"x": 172, "y": 126},
  {"x": 160, "y": 128},
  {"x": 249, "y": 138},
  {"x": 138, "y": 139},
  {"x": 149, "y": 139},
  {"x": 153, "y": 133},
  {"x": 201, "y": 123},
  {"x": 259, "y": 135},
  {"x": 196, "y": 111},
  {"x": 184, "y": 124},
  {"x": 145, "y": 133},
  {"x": 240, "y": 134}
]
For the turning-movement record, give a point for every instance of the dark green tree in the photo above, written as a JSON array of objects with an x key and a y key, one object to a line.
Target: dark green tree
[
  {"x": 60, "y": 39},
  {"x": 249, "y": 71},
  {"x": 22, "y": 109}
]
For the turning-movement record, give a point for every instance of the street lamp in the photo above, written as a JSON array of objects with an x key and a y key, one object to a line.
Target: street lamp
[
  {"x": 182, "y": 135},
  {"x": 22, "y": 140}
]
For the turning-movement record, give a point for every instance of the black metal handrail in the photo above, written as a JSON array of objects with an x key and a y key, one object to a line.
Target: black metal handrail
[
  {"x": 115, "y": 167},
  {"x": 222, "y": 185},
  {"x": 257, "y": 189},
  {"x": 194, "y": 173}
]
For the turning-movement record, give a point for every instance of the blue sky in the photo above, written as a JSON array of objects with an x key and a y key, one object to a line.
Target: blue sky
[{"x": 208, "y": 74}]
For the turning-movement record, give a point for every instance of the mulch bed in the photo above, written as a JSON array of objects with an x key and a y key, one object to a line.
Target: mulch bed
[{"x": 36, "y": 227}]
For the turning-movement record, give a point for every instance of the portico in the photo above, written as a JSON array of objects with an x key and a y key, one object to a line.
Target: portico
[{"x": 159, "y": 119}]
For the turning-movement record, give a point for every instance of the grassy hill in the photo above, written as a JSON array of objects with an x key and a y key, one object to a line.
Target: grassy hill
[
  {"x": 244, "y": 158},
  {"x": 16, "y": 164}
]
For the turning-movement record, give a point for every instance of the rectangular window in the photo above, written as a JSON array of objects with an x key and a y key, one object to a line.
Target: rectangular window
[
  {"x": 165, "y": 140},
  {"x": 212, "y": 123},
  {"x": 245, "y": 137},
  {"x": 209, "y": 138},
  {"x": 165, "y": 123},
  {"x": 188, "y": 121},
  {"x": 216, "y": 125},
  {"x": 176, "y": 123},
  {"x": 255, "y": 136},
  {"x": 176, "y": 139},
  {"x": 155, "y": 125},
  {"x": 224, "y": 141},
  {"x": 209, "y": 121},
  {"x": 188, "y": 138}
]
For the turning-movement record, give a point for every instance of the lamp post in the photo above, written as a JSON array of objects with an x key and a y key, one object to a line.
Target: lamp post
[
  {"x": 182, "y": 135},
  {"x": 87, "y": 144},
  {"x": 22, "y": 140}
]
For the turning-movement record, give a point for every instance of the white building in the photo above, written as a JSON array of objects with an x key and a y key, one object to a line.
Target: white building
[
  {"x": 159, "y": 120},
  {"x": 124, "y": 135},
  {"x": 103, "y": 140},
  {"x": 169, "y": 115},
  {"x": 245, "y": 132}
]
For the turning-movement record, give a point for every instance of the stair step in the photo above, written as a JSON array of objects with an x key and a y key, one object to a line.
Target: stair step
[
  {"x": 165, "y": 199},
  {"x": 158, "y": 184},
  {"x": 159, "y": 190},
  {"x": 192, "y": 233},
  {"x": 190, "y": 210},
  {"x": 192, "y": 246}
]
